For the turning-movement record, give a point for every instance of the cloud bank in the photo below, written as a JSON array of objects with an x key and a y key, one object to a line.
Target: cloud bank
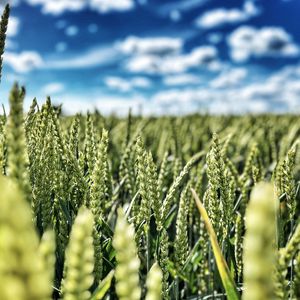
[
  {"x": 57, "y": 7},
  {"x": 222, "y": 16},
  {"x": 246, "y": 42}
]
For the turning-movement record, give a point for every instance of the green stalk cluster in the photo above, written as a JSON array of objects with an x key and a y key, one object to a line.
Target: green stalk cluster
[
  {"x": 74, "y": 137},
  {"x": 285, "y": 183},
  {"x": 253, "y": 166},
  {"x": 98, "y": 254},
  {"x": 292, "y": 247},
  {"x": 99, "y": 179},
  {"x": 142, "y": 180},
  {"x": 16, "y": 146},
  {"x": 238, "y": 242},
  {"x": 204, "y": 272},
  {"x": 177, "y": 167},
  {"x": 89, "y": 147},
  {"x": 284, "y": 259},
  {"x": 175, "y": 185},
  {"x": 127, "y": 170},
  {"x": 3, "y": 29},
  {"x": 163, "y": 258},
  {"x": 153, "y": 191},
  {"x": 218, "y": 196},
  {"x": 181, "y": 245},
  {"x": 30, "y": 120},
  {"x": 163, "y": 172}
]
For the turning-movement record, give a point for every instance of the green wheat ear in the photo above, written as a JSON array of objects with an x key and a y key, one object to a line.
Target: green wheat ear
[
  {"x": 128, "y": 263},
  {"x": 181, "y": 245},
  {"x": 22, "y": 270},
  {"x": 238, "y": 245},
  {"x": 259, "y": 251},
  {"x": 16, "y": 142},
  {"x": 3, "y": 29},
  {"x": 285, "y": 256},
  {"x": 154, "y": 283},
  {"x": 80, "y": 258}
]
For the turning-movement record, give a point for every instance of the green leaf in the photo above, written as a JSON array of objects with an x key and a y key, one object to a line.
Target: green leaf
[
  {"x": 103, "y": 287},
  {"x": 228, "y": 283}
]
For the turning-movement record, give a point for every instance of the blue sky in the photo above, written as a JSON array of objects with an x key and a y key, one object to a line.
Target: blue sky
[{"x": 161, "y": 57}]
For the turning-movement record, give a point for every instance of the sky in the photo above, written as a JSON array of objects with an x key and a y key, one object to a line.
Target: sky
[{"x": 156, "y": 57}]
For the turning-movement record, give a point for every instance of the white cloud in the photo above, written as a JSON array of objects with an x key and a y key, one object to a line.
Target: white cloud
[
  {"x": 278, "y": 93},
  {"x": 27, "y": 61},
  {"x": 117, "y": 83},
  {"x": 53, "y": 88},
  {"x": 247, "y": 42},
  {"x": 120, "y": 106},
  {"x": 128, "y": 84},
  {"x": 232, "y": 107},
  {"x": 73, "y": 104},
  {"x": 229, "y": 78},
  {"x": 94, "y": 57},
  {"x": 222, "y": 16},
  {"x": 104, "y": 6},
  {"x": 141, "y": 82},
  {"x": 144, "y": 64},
  {"x": 204, "y": 56},
  {"x": 181, "y": 101},
  {"x": 201, "y": 57},
  {"x": 150, "y": 46},
  {"x": 182, "y": 79},
  {"x": 259, "y": 91},
  {"x": 56, "y": 7},
  {"x": 183, "y": 5},
  {"x": 182, "y": 96},
  {"x": 12, "y": 30},
  {"x": 23, "y": 62},
  {"x": 286, "y": 74},
  {"x": 71, "y": 30},
  {"x": 13, "y": 26}
]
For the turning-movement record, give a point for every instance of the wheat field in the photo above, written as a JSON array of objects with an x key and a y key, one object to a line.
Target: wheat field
[{"x": 103, "y": 207}]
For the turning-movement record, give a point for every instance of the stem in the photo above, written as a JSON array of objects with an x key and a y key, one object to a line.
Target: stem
[{"x": 292, "y": 265}]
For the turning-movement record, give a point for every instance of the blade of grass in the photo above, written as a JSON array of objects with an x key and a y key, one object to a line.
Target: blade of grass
[
  {"x": 225, "y": 275},
  {"x": 103, "y": 287}
]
